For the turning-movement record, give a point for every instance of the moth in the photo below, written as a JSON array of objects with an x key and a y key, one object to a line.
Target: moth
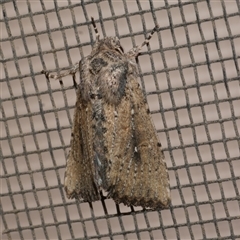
[{"x": 114, "y": 144}]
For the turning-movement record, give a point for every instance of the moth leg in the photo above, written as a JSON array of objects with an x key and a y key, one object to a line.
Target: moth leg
[
  {"x": 135, "y": 51},
  {"x": 136, "y": 57},
  {"x": 72, "y": 71},
  {"x": 146, "y": 41},
  {"x": 95, "y": 29}
]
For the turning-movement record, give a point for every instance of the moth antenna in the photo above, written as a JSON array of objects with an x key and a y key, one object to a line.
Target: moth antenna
[{"x": 95, "y": 29}]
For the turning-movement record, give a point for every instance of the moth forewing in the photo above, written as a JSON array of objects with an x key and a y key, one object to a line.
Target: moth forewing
[
  {"x": 79, "y": 179},
  {"x": 149, "y": 148}
]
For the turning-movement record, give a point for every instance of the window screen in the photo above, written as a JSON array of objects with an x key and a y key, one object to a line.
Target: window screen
[{"x": 190, "y": 75}]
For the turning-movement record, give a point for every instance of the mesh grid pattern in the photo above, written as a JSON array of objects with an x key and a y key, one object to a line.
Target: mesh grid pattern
[{"x": 190, "y": 74}]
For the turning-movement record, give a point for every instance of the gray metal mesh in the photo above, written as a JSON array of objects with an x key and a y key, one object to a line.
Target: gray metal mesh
[{"x": 190, "y": 74}]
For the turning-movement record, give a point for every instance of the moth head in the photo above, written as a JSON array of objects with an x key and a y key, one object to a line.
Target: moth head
[{"x": 113, "y": 43}]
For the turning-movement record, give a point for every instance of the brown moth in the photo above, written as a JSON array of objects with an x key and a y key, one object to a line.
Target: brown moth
[{"x": 114, "y": 144}]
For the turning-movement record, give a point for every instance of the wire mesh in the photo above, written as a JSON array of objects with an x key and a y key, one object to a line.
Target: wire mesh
[{"x": 190, "y": 74}]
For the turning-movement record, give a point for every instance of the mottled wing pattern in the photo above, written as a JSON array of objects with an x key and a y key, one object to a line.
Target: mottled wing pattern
[
  {"x": 79, "y": 179},
  {"x": 112, "y": 80},
  {"x": 118, "y": 142},
  {"x": 150, "y": 155},
  {"x": 137, "y": 171}
]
